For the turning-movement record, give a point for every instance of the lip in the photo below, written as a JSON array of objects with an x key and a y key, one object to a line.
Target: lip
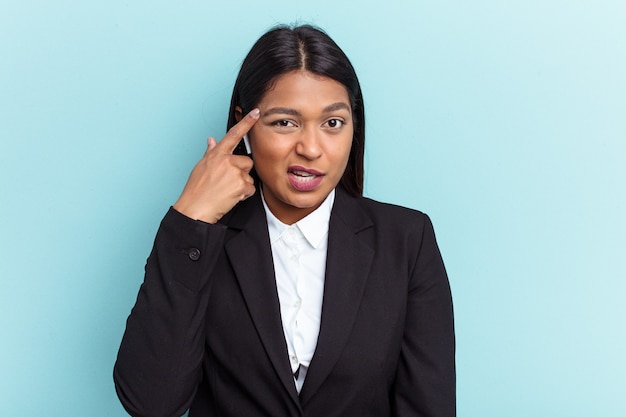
[{"x": 304, "y": 179}]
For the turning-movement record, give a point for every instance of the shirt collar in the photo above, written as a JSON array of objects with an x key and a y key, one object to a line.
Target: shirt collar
[{"x": 313, "y": 227}]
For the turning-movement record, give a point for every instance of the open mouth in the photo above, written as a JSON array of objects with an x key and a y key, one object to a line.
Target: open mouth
[{"x": 303, "y": 179}]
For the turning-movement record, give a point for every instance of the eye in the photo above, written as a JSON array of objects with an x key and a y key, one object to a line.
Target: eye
[
  {"x": 283, "y": 123},
  {"x": 335, "y": 123}
]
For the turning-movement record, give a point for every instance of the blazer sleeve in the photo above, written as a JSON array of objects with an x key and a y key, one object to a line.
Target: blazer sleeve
[
  {"x": 158, "y": 367},
  {"x": 425, "y": 383}
]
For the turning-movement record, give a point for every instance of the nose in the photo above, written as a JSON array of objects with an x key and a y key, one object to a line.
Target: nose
[{"x": 308, "y": 145}]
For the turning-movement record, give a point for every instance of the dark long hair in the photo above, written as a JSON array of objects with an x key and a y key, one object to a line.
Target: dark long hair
[{"x": 284, "y": 49}]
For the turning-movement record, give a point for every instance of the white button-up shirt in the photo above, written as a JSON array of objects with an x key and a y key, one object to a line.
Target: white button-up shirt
[{"x": 299, "y": 254}]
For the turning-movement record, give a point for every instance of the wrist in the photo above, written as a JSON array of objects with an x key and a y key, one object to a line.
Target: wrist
[{"x": 195, "y": 214}]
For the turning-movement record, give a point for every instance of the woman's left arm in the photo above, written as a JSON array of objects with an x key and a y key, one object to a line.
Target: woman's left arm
[{"x": 425, "y": 382}]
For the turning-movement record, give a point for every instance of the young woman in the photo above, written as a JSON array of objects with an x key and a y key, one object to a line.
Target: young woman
[{"x": 274, "y": 288}]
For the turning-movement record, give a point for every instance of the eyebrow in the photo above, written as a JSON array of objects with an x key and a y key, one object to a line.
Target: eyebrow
[
  {"x": 335, "y": 107},
  {"x": 293, "y": 112}
]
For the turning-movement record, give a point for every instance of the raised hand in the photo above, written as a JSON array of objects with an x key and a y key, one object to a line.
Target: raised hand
[{"x": 220, "y": 179}]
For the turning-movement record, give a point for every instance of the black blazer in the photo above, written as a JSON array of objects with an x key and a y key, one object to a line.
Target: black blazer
[{"x": 206, "y": 330}]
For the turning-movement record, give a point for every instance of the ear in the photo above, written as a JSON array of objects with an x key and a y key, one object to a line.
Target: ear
[{"x": 238, "y": 113}]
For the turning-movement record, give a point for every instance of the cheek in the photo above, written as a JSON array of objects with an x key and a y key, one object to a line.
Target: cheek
[
  {"x": 268, "y": 152},
  {"x": 261, "y": 143},
  {"x": 344, "y": 153}
]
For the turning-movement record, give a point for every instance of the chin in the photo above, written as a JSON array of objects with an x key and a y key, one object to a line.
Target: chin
[
  {"x": 307, "y": 201},
  {"x": 305, "y": 204}
]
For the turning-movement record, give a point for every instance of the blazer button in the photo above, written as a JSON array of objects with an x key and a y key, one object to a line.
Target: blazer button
[{"x": 194, "y": 254}]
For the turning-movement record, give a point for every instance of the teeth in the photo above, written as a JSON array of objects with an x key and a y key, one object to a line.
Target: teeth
[{"x": 302, "y": 176}]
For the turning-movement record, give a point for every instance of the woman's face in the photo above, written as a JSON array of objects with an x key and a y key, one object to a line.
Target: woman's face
[{"x": 301, "y": 142}]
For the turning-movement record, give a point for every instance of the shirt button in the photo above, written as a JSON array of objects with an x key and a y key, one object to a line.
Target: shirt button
[
  {"x": 194, "y": 254},
  {"x": 297, "y": 304}
]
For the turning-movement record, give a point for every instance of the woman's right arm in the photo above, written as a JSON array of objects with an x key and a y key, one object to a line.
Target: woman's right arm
[
  {"x": 158, "y": 367},
  {"x": 159, "y": 362}
]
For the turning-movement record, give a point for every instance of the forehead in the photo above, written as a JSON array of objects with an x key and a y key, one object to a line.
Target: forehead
[{"x": 303, "y": 89}]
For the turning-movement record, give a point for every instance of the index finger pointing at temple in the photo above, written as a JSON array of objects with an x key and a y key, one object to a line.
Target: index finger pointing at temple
[{"x": 232, "y": 138}]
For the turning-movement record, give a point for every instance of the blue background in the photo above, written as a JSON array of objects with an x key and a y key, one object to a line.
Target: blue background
[{"x": 505, "y": 121}]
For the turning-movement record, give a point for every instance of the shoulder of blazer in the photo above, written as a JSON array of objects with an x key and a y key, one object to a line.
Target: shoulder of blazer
[{"x": 361, "y": 212}]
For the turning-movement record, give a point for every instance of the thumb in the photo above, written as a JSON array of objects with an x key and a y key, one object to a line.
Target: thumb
[{"x": 211, "y": 143}]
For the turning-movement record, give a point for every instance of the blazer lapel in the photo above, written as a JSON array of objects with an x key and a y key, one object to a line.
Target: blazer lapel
[
  {"x": 347, "y": 268},
  {"x": 250, "y": 255}
]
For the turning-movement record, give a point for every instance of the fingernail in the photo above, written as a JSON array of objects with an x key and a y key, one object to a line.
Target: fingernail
[{"x": 255, "y": 113}]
